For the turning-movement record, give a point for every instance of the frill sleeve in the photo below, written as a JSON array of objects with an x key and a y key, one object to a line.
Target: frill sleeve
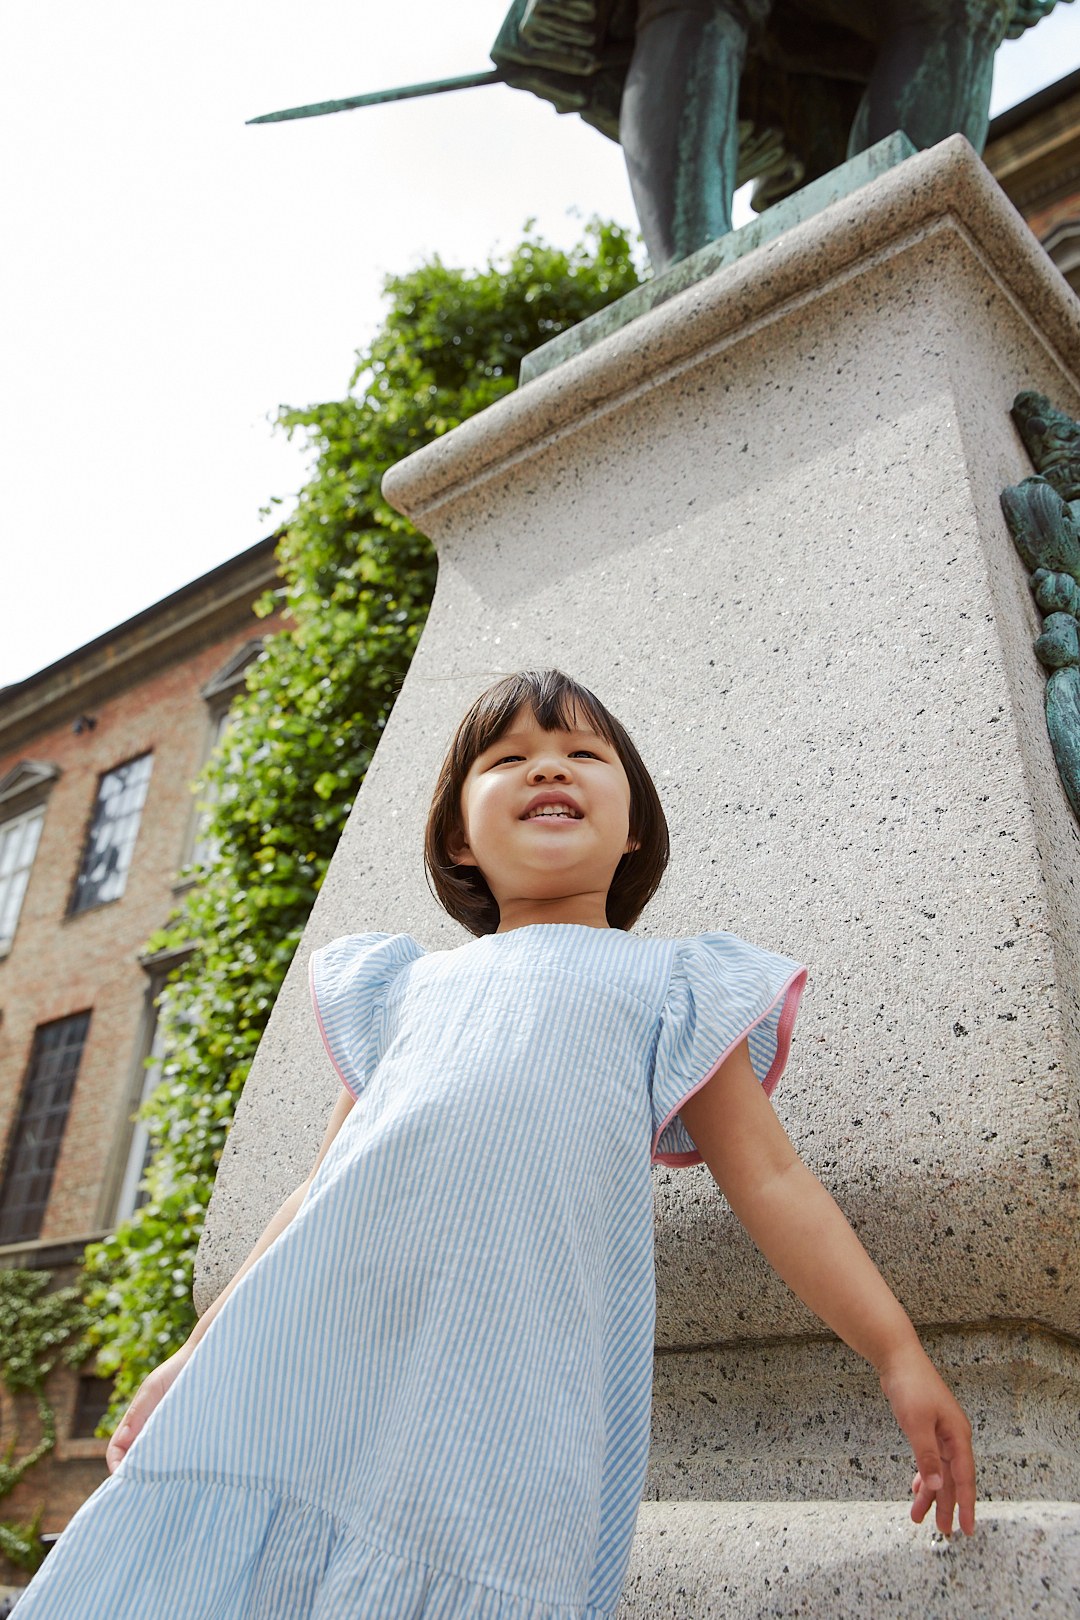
[
  {"x": 349, "y": 981},
  {"x": 722, "y": 989}
]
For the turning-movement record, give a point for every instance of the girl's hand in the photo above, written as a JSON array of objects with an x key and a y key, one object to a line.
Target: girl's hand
[
  {"x": 159, "y": 1382},
  {"x": 940, "y": 1436}
]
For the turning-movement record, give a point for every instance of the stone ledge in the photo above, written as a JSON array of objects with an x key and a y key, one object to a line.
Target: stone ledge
[
  {"x": 832, "y": 1560},
  {"x": 783, "y": 216}
]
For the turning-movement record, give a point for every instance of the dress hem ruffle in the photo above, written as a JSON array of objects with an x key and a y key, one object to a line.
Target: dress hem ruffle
[{"x": 238, "y": 1550}]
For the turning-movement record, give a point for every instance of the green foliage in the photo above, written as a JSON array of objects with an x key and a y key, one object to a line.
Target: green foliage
[
  {"x": 21, "y": 1545},
  {"x": 38, "y": 1326},
  {"x": 357, "y": 584}
]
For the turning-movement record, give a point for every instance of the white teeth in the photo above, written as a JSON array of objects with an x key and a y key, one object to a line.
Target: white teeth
[{"x": 563, "y": 810}]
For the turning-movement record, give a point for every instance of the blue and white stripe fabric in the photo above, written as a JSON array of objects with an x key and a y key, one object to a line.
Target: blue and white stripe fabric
[{"x": 430, "y": 1398}]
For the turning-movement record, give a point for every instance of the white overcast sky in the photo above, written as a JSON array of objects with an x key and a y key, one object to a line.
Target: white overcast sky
[{"x": 168, "y": 276}]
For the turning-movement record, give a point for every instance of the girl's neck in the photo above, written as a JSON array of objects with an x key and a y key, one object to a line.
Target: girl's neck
[{"x": 588, "y": 910}]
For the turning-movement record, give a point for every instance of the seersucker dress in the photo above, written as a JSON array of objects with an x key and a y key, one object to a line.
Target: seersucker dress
[{"x": 430, "y": 1397}]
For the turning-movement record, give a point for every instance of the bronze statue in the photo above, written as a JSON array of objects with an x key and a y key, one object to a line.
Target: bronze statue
[
  {"x": 1042, "y": 515},
  {"x": 705, "y": 94}
]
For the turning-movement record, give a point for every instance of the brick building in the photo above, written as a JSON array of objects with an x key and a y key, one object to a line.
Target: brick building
[
  {"x": 1033, "y": 152},
  {"x": 97, "y": 825}
]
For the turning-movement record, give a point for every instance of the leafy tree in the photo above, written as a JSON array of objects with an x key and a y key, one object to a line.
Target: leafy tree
[{"x": 357, "y": 582}]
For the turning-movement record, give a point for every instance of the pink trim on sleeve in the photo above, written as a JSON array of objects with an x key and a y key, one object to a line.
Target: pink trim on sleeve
[
  {"x": 322, "y": 1029},
  {"x": 790, "y": 993}
]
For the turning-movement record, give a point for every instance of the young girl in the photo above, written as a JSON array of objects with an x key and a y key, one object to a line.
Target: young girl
[{"x": 426, "y": 1392}]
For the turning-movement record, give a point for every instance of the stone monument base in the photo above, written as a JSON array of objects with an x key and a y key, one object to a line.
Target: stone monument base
[{"x": 762, "y": 521}]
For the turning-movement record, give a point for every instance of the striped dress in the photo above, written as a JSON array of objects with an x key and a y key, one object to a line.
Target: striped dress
[{"x": 430, "y": 1397}]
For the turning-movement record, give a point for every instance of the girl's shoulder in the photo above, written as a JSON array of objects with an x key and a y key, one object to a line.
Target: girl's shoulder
[
  {"x": 352, "y": 974},
  {"x": 350, "y": 979},
  {"x": 720, "y": 948},
  {"x": 365, "y": 953}
]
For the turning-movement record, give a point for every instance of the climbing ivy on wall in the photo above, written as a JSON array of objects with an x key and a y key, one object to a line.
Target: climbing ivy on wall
[
  {"x": 357, "y": 582},
  {"x": 38, "y": 1326}
]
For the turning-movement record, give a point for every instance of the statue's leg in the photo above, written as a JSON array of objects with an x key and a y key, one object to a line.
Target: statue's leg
[
  {"x": 679, "y": 120},
  {"x": 933, "y": 71}
]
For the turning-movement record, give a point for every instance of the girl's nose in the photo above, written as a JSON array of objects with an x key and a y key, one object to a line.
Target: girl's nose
[{"x": 549, "y": 770}]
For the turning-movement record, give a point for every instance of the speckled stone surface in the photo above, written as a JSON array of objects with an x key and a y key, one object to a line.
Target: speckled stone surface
[
  {"x": 806, "y": 1420},
  {"x": 851, "y": 1561}
]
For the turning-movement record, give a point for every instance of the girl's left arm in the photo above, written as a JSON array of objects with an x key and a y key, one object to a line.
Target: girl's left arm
[{"x": 807, "y": 1241}]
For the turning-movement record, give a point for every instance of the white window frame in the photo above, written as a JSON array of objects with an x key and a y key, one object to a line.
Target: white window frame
[
  {"x": 127, "y": 1200},
  {"x": 203, "y": 847},
  {"x": 128, "y": 1159},
  {"x": 87, "y": 895},
  {"x": 7, "y": 825},
  {"x": 218, "y": 695}
]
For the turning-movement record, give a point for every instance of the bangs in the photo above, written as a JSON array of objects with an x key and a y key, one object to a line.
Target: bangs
[{"x": 556, "y": 703}]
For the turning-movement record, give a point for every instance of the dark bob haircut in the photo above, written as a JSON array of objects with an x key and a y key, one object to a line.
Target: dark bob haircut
[{"x": 558, "y": 704}]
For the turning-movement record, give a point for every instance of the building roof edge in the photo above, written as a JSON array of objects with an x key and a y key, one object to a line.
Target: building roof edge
[
  {"x": 1048, "y": 96},
  {"x": 152, "y": 636}
]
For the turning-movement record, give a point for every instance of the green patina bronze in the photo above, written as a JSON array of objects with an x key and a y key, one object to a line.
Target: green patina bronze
[
  {"x": 1043, "y": 514},
  {"x": 1052, "y": 440},
  {"x": 706, "y": 94},
  {"x": 375, "y": 98},
  {"x": 1042, "y": 526}
]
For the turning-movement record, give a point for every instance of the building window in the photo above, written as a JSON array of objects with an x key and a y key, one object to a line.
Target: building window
[
  {"x": 219, "y": 693},
  {"x": 204, "y": 849},
  {"x": 91, "y": 1404},
  {"x": 110, "y": 838},
  {"x": 133, "y": 1194},
  {"x": 39, "y": 1128},
  {"x": 125, "y": 1192},
  {"x": 18, "y": 845}
]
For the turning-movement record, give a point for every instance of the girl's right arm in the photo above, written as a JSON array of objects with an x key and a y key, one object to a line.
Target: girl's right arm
[
  {"x": 806, "y": 1239},
  {"x": 162, "y": 1378}
]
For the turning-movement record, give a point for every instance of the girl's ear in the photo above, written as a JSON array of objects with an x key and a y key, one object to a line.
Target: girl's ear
[
  {"x": 631, "y": 845},
  {"x": 458, "y": 850}
]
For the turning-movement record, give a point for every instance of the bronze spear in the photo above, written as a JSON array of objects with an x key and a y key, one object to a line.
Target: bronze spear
[{"x": 435, "y": 87}]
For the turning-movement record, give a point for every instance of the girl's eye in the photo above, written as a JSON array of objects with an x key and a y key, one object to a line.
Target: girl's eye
[{"x": 515, "y": 759}]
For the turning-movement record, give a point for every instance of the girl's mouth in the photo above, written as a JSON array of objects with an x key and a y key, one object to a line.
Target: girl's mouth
[{"x": 553, "y": 812}]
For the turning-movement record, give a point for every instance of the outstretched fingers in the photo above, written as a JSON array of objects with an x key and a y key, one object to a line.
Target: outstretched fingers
[
  {"x": 960, "y": 1461},
  {"x": 939, "y": 1435},
  {"x": 946, "y": 1478}
]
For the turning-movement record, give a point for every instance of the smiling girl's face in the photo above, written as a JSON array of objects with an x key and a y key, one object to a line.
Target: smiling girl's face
[
  {"x": 545, "y": 815},
  {"x": 533, "y": 735}
]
